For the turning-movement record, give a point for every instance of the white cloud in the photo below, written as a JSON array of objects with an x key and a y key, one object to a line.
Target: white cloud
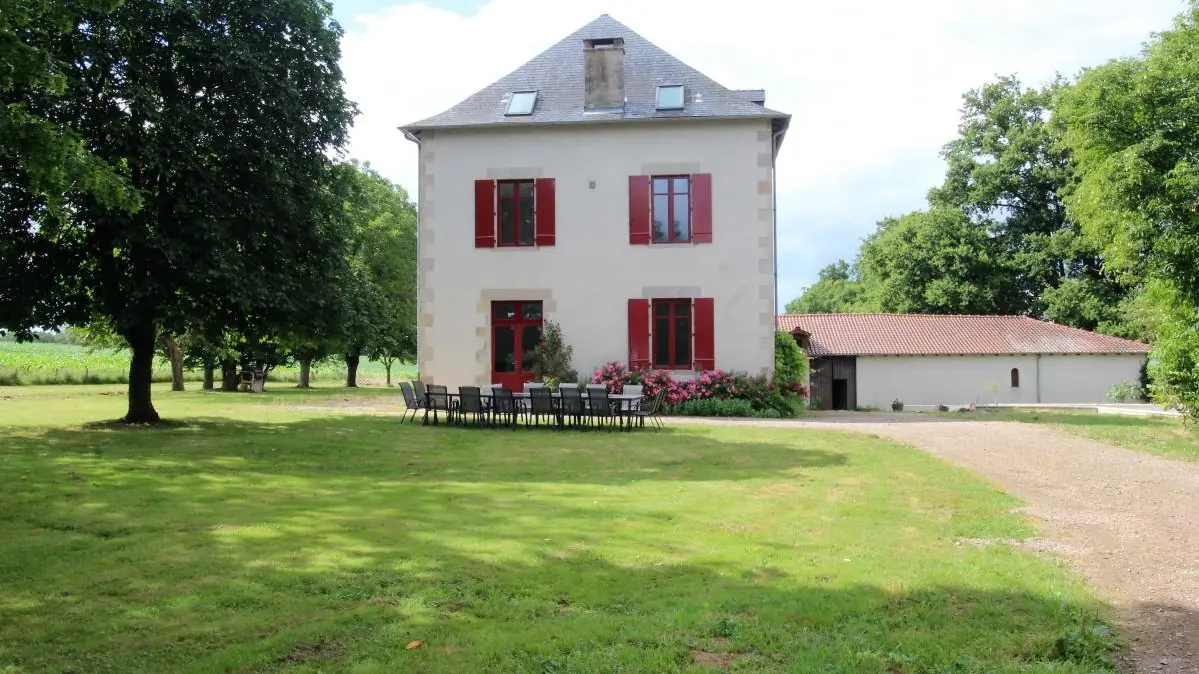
[{"x": 874, "y": 85}]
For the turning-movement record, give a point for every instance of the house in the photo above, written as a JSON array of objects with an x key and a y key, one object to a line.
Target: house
[
  {"x": 870, "y": 360},
  {"x": 611, "y": 188}
]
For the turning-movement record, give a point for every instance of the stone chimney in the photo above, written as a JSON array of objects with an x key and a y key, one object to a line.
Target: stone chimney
[{"x": 604, "y": 73}]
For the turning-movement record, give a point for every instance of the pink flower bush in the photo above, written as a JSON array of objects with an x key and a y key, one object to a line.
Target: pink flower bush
[
  {"x": 758, "y": 390},
  {"x": 614, "y": 375}
]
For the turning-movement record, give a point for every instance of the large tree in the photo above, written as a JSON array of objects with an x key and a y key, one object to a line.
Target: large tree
[
  {"x": 1132, "y": 126},
  {"x": 935, "y": 262},
  {"x": 381, "y": 309},
  {"x": 46, "y": 157},
  {"x": 1008, "y": 172},
  {"x": 224, "y": 118},
  {"x": 837, "y": 290}
]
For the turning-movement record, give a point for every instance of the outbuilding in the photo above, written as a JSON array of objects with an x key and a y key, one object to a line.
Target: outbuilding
[{"x": 872, "y": 360}]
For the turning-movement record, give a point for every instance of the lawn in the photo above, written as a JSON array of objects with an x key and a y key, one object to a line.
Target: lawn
[
  {"x": 52, "y": 363},
  {"x": 1156, "y": 435},
  {"x": 312, "y": 532}
]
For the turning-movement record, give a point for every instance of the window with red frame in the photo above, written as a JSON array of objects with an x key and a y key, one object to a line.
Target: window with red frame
[
  {"x": 517, "y": 224},
  {"x": 671, "y": 209},
  {"x": 672, "y": 331}
]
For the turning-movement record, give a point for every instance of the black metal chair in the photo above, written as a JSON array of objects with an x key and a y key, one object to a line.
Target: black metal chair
[
  {"x": 571, "y": 404},
  {"x": 541, "y": 404},
  {"x": 503, "y": 406},
  {"x": 439, "y": 401},
  {"x": 470, "y": 401},
  {"x": 651, "y": 410},
  {"x": 422, "y": 393},
  {"x": 411, "y": 402},
  {"x": 600, "y": 409}
]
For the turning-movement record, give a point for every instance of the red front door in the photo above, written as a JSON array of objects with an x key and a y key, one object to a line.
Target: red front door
[{"x": 515, "y": 334}]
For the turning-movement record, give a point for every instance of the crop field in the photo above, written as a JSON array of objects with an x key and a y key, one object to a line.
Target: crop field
[{"x": 53, "y": 363}]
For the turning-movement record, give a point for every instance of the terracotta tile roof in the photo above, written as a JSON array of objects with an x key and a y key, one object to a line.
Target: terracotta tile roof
[
  {"x": 924, "y": 334},
  {"x": 558, "y": 75}
]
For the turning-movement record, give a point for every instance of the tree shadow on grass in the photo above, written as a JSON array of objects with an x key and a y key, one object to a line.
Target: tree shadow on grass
[
  {"x": 330, "y": 544},
  {"x": 360, "y": 445},
  {"x": 256, "y": 610}
]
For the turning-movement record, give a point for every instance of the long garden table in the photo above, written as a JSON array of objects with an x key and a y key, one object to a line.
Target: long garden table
[{"x": 625, "y": 401}]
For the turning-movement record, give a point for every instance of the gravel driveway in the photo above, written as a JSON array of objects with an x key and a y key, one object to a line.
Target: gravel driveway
[{"x": 1128, "y": 521}]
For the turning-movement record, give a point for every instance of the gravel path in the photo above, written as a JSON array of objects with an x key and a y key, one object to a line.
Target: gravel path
[{"x": 1128, "y": 521}]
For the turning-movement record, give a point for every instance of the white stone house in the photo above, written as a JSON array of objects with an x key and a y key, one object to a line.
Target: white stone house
[
  {"x": 611, "y": 188},
  {"x": 870, "y": 360}
]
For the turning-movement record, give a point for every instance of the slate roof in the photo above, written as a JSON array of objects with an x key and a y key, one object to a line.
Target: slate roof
[
  {"x": 927, "y": 335},
  {"x": 558, "y": 75}
]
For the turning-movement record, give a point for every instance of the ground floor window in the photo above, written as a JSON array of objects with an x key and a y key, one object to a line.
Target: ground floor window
[{"x": 672, "y": 330}]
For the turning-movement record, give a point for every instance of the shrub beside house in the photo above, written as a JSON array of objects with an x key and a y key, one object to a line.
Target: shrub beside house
[{"x": 721, "y": 393}]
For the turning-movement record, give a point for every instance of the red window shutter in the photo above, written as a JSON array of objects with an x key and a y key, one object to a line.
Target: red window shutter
[
  {"x": 639, "y": 210},
  {"x": 638, "y": 334},
  {"x": 701, "y": 208},
  {"x": 484, "y": 214},
  {"x": 544, "y": 194},
  {"x": 704, "y": 317}
]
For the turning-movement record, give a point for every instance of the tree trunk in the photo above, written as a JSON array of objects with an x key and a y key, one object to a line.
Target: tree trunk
[
  {"x": 175, "y": 355},
  {"x": 141, "y": 373},
  {"x": 229, "y": 376},
  {"x": 305, "y": 373},
  {"x": 209, "y": 376},
  {"x": 387, "y": 364},
  {"x": 352, "y": 370}
]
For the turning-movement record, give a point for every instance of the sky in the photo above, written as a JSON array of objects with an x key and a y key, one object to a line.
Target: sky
[{"x": 874, "y": 86}]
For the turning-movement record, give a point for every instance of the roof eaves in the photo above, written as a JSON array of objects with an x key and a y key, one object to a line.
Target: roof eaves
[{"x": 595, "y": 118}]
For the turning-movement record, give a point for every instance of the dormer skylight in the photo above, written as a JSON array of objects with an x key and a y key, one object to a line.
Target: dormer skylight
[
  {"x": 521, "y": 103},
  {"x": 670, "y": 97}
]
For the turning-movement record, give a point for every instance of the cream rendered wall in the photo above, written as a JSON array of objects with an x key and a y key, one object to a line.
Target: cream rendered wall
[
  {"x": 959, "y": 380},
  {"x": 586, "y": 279},
  {"x": 944, "y": 380},
  {"x": 1086, "y": 379}
]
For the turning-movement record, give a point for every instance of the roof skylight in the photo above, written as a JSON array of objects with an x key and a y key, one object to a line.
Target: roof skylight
[
  {"x": 521, "y": 103},
  {"x": 670, "y": 97}
]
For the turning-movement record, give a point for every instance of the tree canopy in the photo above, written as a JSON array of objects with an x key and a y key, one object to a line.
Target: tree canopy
[
  {"x": 1073, "y": 202},
  {"x": 838, "y": 290},
  {"x": 1131, "y": 125},
  {"x": 996, "y": 237},
  {"x": 224, "y": 119}
]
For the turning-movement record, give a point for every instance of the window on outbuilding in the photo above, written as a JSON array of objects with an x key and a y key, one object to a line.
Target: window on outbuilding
[
  {"x": 1015, "y": 377},
  {"x": 521, "y": 103},
  {"x": 670, "y": 97}
]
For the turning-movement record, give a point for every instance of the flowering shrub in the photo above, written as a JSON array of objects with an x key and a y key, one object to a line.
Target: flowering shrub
[
  {"x": 763, "y": 395},
  {"x": 656, "y": 381},
  {"x": 615, "y": 375}
]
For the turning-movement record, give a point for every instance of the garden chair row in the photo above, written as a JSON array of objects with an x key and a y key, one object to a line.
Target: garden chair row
[{"x": 496, "y": 405}]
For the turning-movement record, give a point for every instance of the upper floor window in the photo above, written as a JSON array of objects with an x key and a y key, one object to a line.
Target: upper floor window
[
  {"x": 516, "y": 213},
  {"x": 671, "y": 209},
  {"x": 521, "y": 103},
  {"x": 670, "y": 97},
  {"x": 511, "y": 213}
]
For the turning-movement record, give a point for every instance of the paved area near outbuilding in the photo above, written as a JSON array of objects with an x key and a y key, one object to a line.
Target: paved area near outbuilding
[{"x": 1128, "y": 521}]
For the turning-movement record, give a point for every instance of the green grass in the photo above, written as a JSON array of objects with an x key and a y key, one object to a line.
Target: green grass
[
  {"x": 311, "y": 532},
  {"x": 34, "y": 363},
  {"x": 1163, "y": 436}
]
